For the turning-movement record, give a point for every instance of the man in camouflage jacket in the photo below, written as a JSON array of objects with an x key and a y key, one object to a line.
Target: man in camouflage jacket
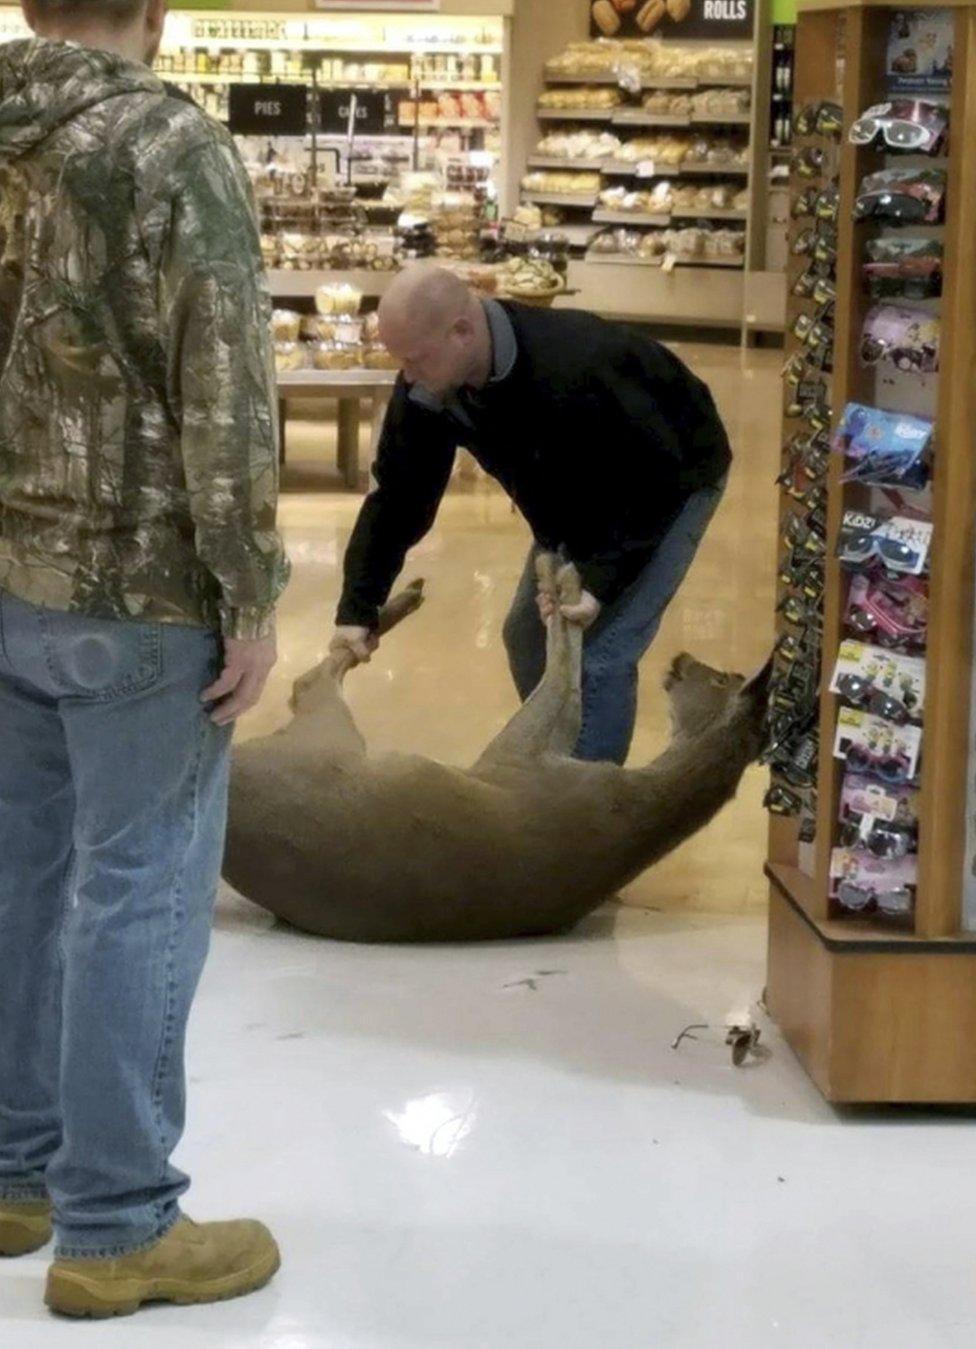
[{"x": 139, "y": 570}]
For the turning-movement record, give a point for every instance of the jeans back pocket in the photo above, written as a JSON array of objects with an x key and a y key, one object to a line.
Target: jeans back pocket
[{"x": 100, "y": 658}]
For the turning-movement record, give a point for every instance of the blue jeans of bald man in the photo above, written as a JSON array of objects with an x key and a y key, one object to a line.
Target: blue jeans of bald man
[
  {"x": 113, "y": 792},
  {"x": 614, "y": 645}
]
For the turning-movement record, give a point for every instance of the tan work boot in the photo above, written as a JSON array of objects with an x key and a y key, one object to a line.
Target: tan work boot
[
  {"x": 193, "y": 1262},
  {"x": 25, "y": 1225}
]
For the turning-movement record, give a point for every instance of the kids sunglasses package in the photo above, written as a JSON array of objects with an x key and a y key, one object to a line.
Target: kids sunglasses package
[{"x": 875, "y": 747}]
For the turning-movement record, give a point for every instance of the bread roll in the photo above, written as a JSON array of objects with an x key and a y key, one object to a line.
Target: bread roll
[
  {"x": 650, "y": 15},
  {"x": 678, "y": 10},
  {"x": 606, "y": 18}
]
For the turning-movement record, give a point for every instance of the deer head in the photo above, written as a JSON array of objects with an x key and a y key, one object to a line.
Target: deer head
[{"x": 701, "y": 696}]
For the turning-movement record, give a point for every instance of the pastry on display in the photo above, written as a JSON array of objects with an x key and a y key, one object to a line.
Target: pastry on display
[
  {"x": 666, "y": 103},
  {"x": 562, "y": 184},
  {"x": 705, "y": 197},
  {"x": 338, "y": 299},
  {"x": 329, "y": 356},
  {"x": 289, "y": 356},
  {"x": 376, "y": 357},
  {"x": 579, "y": 145},
  {"x": 721, "y": 102},
  {"x": 667, "y": 150},
  {"x": 529, "y": 278},
  {"x": 285, "y": 325},
  {"x": 718, "y": 152},
  {"x": 650, "y": 59},
  {"x": 658, "y": 200},
  {"x": 583, "y": 99}
]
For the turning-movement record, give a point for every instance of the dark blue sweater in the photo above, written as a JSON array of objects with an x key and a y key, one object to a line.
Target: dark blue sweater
[{"x": 599, "y": 435}]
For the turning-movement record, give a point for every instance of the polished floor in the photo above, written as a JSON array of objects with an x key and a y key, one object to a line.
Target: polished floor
[{"x": 497, "y": 1147}]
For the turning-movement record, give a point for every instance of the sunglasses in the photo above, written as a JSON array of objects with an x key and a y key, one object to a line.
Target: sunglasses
[
  {"x": 819, "y": 244},
  {"x": 799, "y": 612},
  {"x": 920, "y": 359},
  {"x": 806, "y": 283},
  {"x": 860, "y": 692},
  {"x": 781, "y": 801},
  {"x": 821, "y": 119},
  {"x": 911, "y": 126},
  {"x": 859, "y": 546},
  {"x": 808, "y": 163},
  {"x": 891, "y": 768},
  {"x": 858, "y": 897},
  {"x": 902, "y": 208},
  {"x": 883, "y": 840}
]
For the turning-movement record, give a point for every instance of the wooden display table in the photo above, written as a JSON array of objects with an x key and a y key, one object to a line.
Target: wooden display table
[{"x": 348, "y": 388}]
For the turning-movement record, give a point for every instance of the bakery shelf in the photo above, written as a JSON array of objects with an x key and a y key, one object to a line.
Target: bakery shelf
[
  {"x": 671, "y": 82},
  {"x": 620, "y": 260},
  {"x": 560, "y": 198},
  {"x": 717, "y": 119},
  {"x": 560, "y": 77},
  {"x": 575, "y": 114},
  {"x": 645, "y": 168},
  {"x": 630, "y": 218},
  {"x": 713, "y": 170},
  {"x": 554, "y": 162},
  {"x": 680, "y": 213},
  {"x": 725, "y": 82},
  {"x": 452, "y": 123},
  {"x": 710, "y": 262},
  {"x": 579, "y": 236},
  {"x": 637, "y": 117},
  {"x": 288, "y": 284}
]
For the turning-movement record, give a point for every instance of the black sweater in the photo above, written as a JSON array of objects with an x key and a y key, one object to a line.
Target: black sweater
[{"x": 599, "y": 435}]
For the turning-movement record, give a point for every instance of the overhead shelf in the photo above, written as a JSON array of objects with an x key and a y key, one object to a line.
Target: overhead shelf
[
  {"x": 575, "y": 114},
  {"x": 630, "y": 218},
  {"x": 554, "y": 162},
  {"x": 560, "y": 198}
]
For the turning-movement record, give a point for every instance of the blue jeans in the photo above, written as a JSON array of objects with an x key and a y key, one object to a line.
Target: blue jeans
[
  {"x": 113, "y": 802},
  {"x": 615, "y": 643}
]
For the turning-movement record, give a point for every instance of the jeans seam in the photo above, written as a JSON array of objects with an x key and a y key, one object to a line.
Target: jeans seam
[
  {"x": 116, "y": 1252},
  {"x": 176, "y": 911}
]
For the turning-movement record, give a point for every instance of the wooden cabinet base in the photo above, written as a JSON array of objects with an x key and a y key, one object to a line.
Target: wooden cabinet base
[{"x": 874, "y": 1022}]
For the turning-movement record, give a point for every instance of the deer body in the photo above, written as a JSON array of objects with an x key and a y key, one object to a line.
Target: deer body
[{"x": 401, "y": 848}]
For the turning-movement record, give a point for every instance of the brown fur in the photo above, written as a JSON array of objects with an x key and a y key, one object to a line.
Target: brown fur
[{"x": 526, "y": 842}]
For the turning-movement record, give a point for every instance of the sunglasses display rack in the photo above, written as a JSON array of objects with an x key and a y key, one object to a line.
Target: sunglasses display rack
[{"x": 872, "y": 944}]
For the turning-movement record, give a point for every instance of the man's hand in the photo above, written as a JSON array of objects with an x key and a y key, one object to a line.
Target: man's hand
[
  {"x": 584, "y": 614},
  {"x": 247, "y": 665},
  {"x": 359, "y": 642}
]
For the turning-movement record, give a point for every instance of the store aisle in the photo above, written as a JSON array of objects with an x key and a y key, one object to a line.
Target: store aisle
[{"x": 496, "y": 1147}]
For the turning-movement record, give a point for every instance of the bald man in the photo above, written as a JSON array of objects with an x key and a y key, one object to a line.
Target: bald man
[{"x": 609, "y": 446}]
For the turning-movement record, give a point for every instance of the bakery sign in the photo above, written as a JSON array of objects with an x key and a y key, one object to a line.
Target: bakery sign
[
  {"x": 672, "y": 18},
  {"x": 268, "y": 109}
]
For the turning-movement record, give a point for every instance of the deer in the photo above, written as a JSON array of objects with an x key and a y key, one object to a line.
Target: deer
[{"x": 525, "y": 843}]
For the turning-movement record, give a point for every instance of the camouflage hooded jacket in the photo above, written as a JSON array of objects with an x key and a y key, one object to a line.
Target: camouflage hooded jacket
[{"x": 138, "y": 437}]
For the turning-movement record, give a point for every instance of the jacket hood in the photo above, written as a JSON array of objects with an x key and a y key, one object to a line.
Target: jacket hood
[{"x": 45, "y": 85}]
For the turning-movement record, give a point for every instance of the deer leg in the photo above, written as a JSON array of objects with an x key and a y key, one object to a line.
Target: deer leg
[
  {"x": 316, "y": 697},
  {"x": 549, "y": 720}
]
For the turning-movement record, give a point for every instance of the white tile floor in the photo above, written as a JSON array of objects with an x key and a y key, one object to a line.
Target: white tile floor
[{"x": 451, "y": 1156}]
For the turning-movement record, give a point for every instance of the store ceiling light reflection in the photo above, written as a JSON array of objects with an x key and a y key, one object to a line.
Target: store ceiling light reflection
[{"x": 435, "y": 1125}]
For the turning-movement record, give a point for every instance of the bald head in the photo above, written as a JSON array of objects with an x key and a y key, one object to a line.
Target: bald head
[{"x": 436, "y": 328}]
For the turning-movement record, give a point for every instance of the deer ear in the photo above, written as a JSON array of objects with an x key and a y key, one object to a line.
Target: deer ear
[{"x": 757, "y": 685}]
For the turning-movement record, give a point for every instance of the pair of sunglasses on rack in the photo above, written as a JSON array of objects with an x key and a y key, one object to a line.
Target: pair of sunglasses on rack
[
  {"x": 908, "y": 338},
  {"x": 892, "y": 768},
  {"x": 860, "y": 692},
  {"x": 808, "y": 163},
  {"x": 896, "y": 902},
  {"x": 782, "y": 802},
  {"x": 819, "y": 119},
  {"x": 857, "y": 548},
  {"x": 819, "y": 244},
  {"x": 818, "y": 203},
  {"x": 908, "y": 268},
  {"x": 911, "y": 125},
  {"x": 892, "y": 612},
  {"x": 816, "y": 284},
  {"x": 902, "y": 197},
  {"x": 885, "y": 839}
]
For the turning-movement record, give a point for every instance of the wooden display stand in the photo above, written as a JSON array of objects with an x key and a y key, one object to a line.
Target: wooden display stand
[{"x": 880, "y": 1015}]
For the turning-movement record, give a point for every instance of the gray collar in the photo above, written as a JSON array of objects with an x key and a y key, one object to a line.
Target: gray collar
[{"x": 504, "y": 352}]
